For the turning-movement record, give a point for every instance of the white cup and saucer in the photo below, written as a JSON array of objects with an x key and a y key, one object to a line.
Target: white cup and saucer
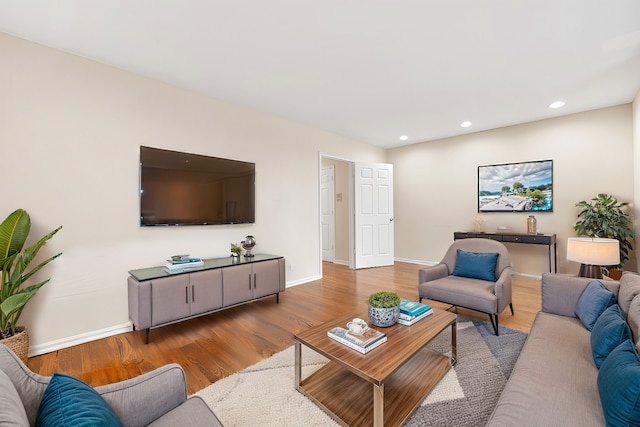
[{"x": 357, "y": 326}]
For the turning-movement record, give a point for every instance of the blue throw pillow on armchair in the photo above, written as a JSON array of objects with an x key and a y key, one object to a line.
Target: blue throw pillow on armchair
[
  {"x": 69, "y": 402},
  {"x": 593, "y": 301},
  {"x": 476, "y": 265}
]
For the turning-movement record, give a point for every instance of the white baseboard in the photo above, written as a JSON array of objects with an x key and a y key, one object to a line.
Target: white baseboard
[
  {"x": 302, "y": 281},
  {"x": 416, "y": 261},
  {"x": 50, "y": 346}
]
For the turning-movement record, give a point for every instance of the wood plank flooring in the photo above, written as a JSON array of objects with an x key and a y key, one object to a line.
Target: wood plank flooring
[{"x": 217, "y": 345}]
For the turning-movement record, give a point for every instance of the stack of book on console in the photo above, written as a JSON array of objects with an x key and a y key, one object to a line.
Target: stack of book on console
[
  {"x": 364, "y": 342},
  {"x": 182, "y": 263},
  {"x": 412, "y": 312}
]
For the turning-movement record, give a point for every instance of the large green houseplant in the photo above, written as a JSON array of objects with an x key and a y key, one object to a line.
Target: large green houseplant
[
  {"x": 16, "y": 271},
  {"x": 605, "y": 217}
]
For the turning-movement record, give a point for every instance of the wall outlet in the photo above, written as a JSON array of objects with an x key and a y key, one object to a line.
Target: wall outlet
[{"x": 292, "y": 267}]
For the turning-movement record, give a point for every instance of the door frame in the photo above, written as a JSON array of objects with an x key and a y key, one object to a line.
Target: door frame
[{"x": 322, "y": 155}]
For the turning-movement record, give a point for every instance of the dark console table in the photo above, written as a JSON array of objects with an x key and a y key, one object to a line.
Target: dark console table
[{"x": 532, "y": 239}]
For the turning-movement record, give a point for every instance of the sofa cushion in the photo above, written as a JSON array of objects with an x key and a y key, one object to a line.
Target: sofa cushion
[
  {"x": 619, "y": 386},
  {"x": 476, "y": 265},
  {"x": 12, "y": 413},
  {"x": 593, "y": 301},
  {"x": 629, "y": 288},
  {"x": 69, "y": 402},
  {"x": 609, "y": 331}
]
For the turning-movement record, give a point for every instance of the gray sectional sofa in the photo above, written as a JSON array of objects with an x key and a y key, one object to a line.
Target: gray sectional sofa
[{"x": 555, "y": 381}]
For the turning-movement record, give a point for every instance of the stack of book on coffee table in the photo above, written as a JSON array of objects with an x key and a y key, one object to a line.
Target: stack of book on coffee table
[
  {"x": 363, "y": 342},
  {"x": 412, "y": 312}
]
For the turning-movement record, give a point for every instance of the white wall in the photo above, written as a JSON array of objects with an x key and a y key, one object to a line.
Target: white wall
[
  {"x": 70, "y": 132},
  {"x": 436, "y": 182}
]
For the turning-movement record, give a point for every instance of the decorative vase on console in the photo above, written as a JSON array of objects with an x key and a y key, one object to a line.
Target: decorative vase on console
[{"x": 247, "y": 244}]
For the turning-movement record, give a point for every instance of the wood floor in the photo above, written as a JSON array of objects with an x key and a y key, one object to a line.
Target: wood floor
[{"x": 217, "y": 345}]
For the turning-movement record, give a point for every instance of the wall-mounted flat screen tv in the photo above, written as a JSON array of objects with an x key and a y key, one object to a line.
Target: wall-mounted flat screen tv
[
  {"x": 516, "y": 187},
  {"x": 190, "y": 189}
]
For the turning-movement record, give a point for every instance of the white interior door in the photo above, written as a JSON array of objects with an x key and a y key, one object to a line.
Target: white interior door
[
  {"x": 373, "y": 214},
  {"x": 327, "y": 214}
]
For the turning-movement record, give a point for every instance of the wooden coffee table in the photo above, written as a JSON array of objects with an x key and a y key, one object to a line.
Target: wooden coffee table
[{"x": 384, "y": 386}]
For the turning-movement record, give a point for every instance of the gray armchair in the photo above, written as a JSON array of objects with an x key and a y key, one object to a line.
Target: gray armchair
[
  {"x": 157, "y": 398},
  {"x": 438, "y": 283}
]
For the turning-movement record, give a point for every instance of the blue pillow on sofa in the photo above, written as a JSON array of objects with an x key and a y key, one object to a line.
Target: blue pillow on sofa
[
  {"x": 69, "y": 402},
  {"x": 619, "y": 386},
  {"x": 593, "y": 301},
  {"x": 476, "y": 265},
  {"x": 609, "y": 331}
]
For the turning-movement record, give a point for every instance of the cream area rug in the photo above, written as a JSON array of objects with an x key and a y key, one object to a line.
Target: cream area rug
[{"x": 265, "y": 395}]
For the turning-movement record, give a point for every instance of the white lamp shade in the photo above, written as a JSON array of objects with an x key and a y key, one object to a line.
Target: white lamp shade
[{"x": 593, "y": 251}]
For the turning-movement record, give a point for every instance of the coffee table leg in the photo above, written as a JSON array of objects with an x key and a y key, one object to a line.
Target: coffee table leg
[
  {"x": 378, "y": 405},
  {"x": 454, "y": 344},
  {"x": 298, "y": 362}
]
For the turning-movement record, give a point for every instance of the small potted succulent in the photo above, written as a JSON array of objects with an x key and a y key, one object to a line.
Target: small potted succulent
[
  {"x": 236, "y": 250},
  {"x": 384, "y": 308}
]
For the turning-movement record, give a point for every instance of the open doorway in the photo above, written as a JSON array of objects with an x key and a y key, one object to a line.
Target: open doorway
[
  {"x": 334, "y": 201},
  {"x": 356, "y": 204}
]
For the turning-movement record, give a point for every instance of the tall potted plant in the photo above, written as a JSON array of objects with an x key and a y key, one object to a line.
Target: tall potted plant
[
  {"x": 15, "y": 272},
  {"x": 605, "y": 217}
]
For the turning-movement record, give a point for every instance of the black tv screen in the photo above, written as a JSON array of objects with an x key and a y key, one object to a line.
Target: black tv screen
[{"x": 190, "y": 189}]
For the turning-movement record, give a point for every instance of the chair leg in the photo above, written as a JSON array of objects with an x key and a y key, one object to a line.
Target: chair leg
[
  {"x": 494, "y": 323},
  {"x": 511, "y": 306}
]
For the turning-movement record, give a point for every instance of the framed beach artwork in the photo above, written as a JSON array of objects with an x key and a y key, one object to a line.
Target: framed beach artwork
[{"x": 516, "y": 187}]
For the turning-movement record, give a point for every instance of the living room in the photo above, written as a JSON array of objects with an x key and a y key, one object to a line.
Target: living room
[
  {"x": 76, "y": 126},
  {"x": 72, "y": 128}
]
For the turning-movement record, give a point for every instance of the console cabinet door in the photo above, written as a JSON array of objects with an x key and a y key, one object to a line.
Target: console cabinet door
[
  {"x": 237, "y": 284},
  {"x": 205, "y": 291},
  {"x": 169, "y": 299},
  {"x": 266, "y": 276}
]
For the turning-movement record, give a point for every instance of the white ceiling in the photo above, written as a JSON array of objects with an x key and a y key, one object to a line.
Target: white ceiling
[{"x": 371, "y": 70}]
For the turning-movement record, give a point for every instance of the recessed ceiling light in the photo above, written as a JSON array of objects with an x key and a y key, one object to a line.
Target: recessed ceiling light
[
  {"x": 465, "y": 124},
  {"x": 557, "y": 104},
  {"x": 404, "y": 138}
]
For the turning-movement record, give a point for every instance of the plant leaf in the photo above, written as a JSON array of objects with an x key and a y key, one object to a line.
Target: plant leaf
[
  {"x": 15, "y": 303},
  {"x": 13, "y": 233},
  {"x": 28, "y": 255}
]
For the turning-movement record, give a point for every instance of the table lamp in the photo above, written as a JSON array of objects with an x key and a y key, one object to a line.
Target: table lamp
[{"x": 593, "y": 253}]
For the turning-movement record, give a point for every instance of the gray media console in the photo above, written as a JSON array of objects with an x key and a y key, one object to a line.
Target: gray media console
[{"x": 158, "y": 298}]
